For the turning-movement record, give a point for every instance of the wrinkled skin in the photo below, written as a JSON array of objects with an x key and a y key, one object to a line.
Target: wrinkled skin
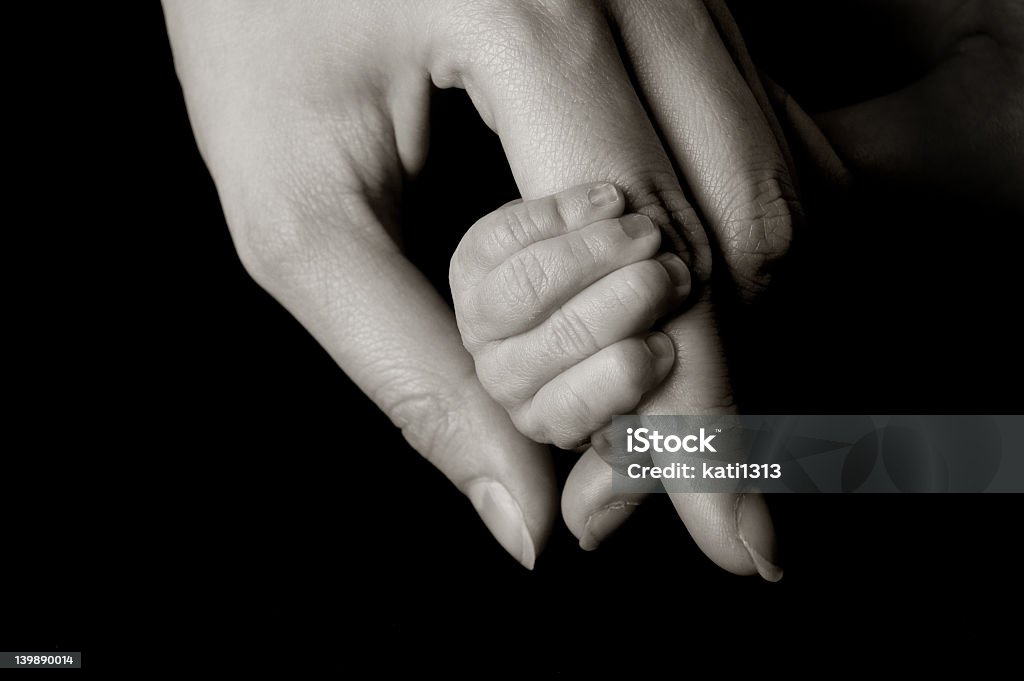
[{"x": 309, "y": 114}]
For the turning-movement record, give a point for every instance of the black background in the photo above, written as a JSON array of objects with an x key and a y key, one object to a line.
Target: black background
[{"x": 194, "y": 467}]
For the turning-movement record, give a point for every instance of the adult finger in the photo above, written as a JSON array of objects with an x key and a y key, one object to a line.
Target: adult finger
[
  {"x": 327, "y": 256},
  {"x": 563, "y": 104},
  {"x": 590, "y": 507},
  {"x": 733, "y": 531},
  {"x": 395, "y": 337},
  {"x": 932, "y": 133},
  {"x": 309, "y": 127},
  {"x": 717, "y": 132},
  {"x": 729, "y": 156},
  {"x": 549, "y": 80}
]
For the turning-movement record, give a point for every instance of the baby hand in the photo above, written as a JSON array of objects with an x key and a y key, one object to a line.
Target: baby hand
[{"x": 555, "y": 299}]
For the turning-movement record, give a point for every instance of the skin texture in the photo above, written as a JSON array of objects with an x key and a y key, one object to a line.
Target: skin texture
[
  {"x": 556, "y": 300},
  {"x": 309, "y": 115}
]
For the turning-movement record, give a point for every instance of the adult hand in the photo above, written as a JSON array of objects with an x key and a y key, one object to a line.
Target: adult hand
[
  {"x": 959, "y": 126},
  {"x": 309, "y": 114}
]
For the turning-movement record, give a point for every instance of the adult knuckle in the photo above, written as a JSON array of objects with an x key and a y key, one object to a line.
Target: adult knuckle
[
  {"x": 516, "y": 40},
  {"x": 520, "y": 22},
  {"x": 758, "y": 226},
  {"x": 273, "y": 250},
  {"x": 428, "y": 414},
  {"x": 425, "y": 419},
  {"x": 658, "y": 192},
  {"x": 497, "y": 33},
  {"x": 759, "y": 220},
  {"x": 285, "y": 219},
  {"x": 658, "y": 195}
]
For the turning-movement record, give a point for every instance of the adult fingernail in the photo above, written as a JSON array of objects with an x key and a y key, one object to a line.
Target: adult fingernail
[
  {"x": 754, "y": 527},
  {"x": 660, "y": 345},
  {"x": 602, "y": 522},
  {"x": 677, "y": 270},
  {"x": 603, "y": 195},
  {"x": 503, "y": 517},
  {"x": 637, "y": 226}
]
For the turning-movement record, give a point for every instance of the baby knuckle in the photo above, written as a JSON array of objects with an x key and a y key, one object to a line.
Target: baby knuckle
[
  {"x": 574, "y": 416},
  {"x": 565, "y": 439},
  {"x": 523, "y": 281},
  {"x": 496, "y": 381},
  {"x": 586, "y": 248},
  {"x": 511, "y": 230},
  {"x": 472, "y": 320},
  {"x": 526, "y": 423},
  {"x": 631, "y": 361},
  {"x": 567, "y": 334},
  {"x": 635, "y": 371},
  {"x": 641, "y": 288}
]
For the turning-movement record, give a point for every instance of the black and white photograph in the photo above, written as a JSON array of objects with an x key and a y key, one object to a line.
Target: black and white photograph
[{"x": 504, "y": 337}]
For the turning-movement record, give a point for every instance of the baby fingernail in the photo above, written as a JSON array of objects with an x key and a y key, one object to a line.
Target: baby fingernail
[
  {"x": 503, "y": 517},
  {"x": 637, "y": 226},
  {"x": 603, "y": 522},
  {"x": 603, "y": 195},
  {"x": 660, "y": 345},
  {"x": 677, "y": 270}
]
